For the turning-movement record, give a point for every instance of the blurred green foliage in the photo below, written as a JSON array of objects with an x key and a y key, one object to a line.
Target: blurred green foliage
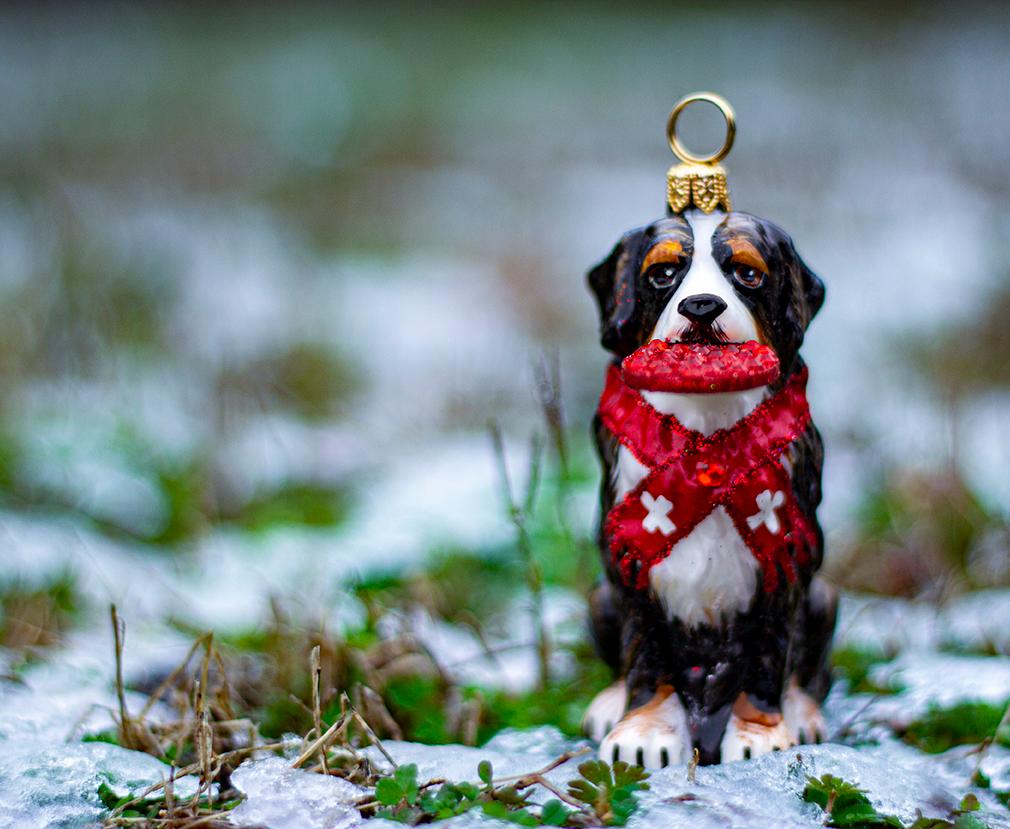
[
  {"x": 941, "y": 728},
  {"x": 854, "y": 664}
]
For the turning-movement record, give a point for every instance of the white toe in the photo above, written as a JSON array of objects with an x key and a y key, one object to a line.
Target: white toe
[
  {"x": 803, "y": 716},
  {"x": 605, "y": 711}
]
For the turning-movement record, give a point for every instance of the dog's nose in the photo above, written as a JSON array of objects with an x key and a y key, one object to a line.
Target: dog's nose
[{"x": 702, "y": 308}]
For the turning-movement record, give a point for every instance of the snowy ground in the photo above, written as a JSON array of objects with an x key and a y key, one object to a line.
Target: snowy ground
[{"x": 47, "y": 778}]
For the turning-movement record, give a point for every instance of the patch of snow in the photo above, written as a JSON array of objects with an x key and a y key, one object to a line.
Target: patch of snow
[
  {"x": 940, "y": 680},
  {"x": 512, "y": 663},
  {"x": 510, "y": 753},
  {"x": 973, "y": 621},
  {"x": 56, "y": 785},
  {"x": 980, "y": 621},
  {"x": 767, "y": 792},
  {"x": 281, "y": 797},
  {"x": 886, "y": 624}
]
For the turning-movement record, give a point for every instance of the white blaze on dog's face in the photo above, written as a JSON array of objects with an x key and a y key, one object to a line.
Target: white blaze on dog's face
[
  {"x": 703, "y": 412},
  {"x": 705, "y": 277}
]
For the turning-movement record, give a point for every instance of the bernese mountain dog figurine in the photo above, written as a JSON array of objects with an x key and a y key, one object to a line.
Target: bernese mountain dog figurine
[{"x": 709, "y": 613}]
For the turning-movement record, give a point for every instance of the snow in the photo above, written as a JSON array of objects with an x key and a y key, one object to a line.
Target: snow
[
  {"x": 511, "y": 752},
  {"x": 513, "y": 663},
  {"x": 56, "y": 785},
  {"x": 281, "y": 797},
  {"x": 766, "y": 792},
  {"x": 943, "y": 680},
  {"x": 970, "y": 622}
]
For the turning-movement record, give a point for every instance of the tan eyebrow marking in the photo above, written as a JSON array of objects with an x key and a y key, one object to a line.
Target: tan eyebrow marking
[
  {"x": 667, "y": 250},
  {"x": 744, "y": 253}
]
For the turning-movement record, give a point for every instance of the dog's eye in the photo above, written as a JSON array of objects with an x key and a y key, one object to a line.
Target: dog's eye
[
  {"x": 746, "y": 274},
  {"x": 663, "y": 274}
]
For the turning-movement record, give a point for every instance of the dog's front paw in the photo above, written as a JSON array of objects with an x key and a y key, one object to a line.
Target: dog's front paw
[
  {"x": 752, "y": 732},
  {"x": 605, "y": 710},
  {"x": 654, "y": 735},
  {"x": 803, "y": 716}
]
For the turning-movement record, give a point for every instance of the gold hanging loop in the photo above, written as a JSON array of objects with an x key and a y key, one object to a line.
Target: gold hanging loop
[
  {"x": 719, "y": 103},
  {"x": 699, "y": 181}
]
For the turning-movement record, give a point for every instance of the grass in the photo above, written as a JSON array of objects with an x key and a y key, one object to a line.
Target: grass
[
  {"x": 969, "y": 722},
  {"x": 33, "y": 617},
  {"x": 854, "y": 665},
  {"x": 421, "y": 702},
  {"x": 199, "y": 742}
]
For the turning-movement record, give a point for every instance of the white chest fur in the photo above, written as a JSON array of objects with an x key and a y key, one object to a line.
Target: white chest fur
[{"x": 710, "y": 574}]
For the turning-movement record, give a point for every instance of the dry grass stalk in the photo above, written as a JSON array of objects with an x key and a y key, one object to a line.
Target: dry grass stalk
[
  {"x": 376, "y": 711},
  {"x": 331, "y": 735},
  {"x": 547, "y": 378},
  {"x": 350, "y": 710},
  {"x": 315, "y": 664},
  {"x": 131, "y": 733},
  {"x": 692, "y": 767},
  {"x": 519, "y": 515}
]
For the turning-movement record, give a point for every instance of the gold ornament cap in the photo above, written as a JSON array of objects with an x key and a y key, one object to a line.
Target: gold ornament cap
[{"x": 699, "y": 181}]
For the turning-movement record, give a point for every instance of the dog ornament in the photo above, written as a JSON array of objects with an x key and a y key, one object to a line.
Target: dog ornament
[{"x": 709, "y": 612}]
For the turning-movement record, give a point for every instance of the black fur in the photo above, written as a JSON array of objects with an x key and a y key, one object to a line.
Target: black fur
[{"x": 783, "y": 634}]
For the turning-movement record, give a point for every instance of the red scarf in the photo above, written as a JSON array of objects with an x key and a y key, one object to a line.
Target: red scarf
[{"x": 690, "y": 474}]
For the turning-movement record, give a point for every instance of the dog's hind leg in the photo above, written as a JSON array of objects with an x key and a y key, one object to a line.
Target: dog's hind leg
[
  {"x": 605, "y": 624},
  {"x": 609, "y": 705},
  {"x": 810, "y": 675}
]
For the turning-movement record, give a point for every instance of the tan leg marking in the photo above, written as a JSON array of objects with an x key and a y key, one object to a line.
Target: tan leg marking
[
  {"x": 653, "y": 735},
  {"x": 752, "y": 732}
]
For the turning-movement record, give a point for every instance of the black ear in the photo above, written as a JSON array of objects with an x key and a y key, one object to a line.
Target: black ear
[
  {"x": 614, "y": 282},
  {"x": 807, "y": 294},
  {"x": 813, "y": 289},
  {"x": 802, "y": 301}
]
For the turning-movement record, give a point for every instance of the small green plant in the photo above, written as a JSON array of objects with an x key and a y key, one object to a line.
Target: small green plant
[
  {"x": 602, "y": 796},
  {"x": 609, "y": 790},
  {"x": 404, "y": 800},
  {"x": 846, "y": 804},
  {"x": 848, "y": 807},
  {"x": 399, "y": 794}
]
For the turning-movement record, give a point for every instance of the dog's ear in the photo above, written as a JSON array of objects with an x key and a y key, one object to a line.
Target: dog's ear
[
  {"x": 615, "y": 283},
  {"x": 811, "y": 287},
  {"x": 802, "y": 299}
]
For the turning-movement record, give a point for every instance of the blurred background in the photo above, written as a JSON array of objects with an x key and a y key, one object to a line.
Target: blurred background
[{"x": 268, "y": 271}]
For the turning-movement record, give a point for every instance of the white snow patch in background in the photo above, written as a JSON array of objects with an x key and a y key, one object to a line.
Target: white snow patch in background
[
  {"x": 513, "y": 662},
  {"x": 977, "y": 621},
  {"x": 941, "y": 680}
]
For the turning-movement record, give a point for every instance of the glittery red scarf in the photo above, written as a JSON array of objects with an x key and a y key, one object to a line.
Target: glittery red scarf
[{"x": 690, "y": 474}]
